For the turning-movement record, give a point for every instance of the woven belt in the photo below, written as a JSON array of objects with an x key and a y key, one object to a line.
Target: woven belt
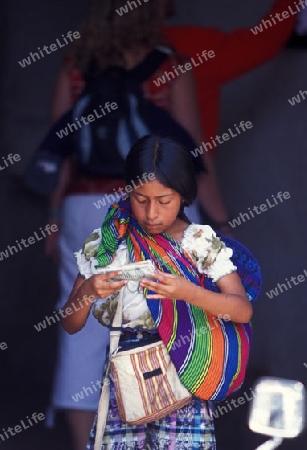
[{"x": 137, "y": 334}]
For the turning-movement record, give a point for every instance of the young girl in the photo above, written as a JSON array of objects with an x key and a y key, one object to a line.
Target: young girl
[
  {"x": 151, "y": 224},
  {"x": 108, "y": 39}
]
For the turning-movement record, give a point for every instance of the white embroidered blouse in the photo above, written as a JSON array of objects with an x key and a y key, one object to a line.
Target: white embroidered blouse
[{"x": 209, "y": 253}]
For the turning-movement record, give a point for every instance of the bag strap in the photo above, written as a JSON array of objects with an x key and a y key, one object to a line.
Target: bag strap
[
  {"x": 103, "y": 405},
  {"x": 147, "y": 67},
  {"x": 115, "y": 330}
]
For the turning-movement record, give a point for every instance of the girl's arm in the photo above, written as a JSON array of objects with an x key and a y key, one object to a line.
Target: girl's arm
[
  {"x": 184, "y": 108},
  {"x": 83, "y": 294},
  {"x": 62, "y": 99},
  {"x": 231, "y": 301}
]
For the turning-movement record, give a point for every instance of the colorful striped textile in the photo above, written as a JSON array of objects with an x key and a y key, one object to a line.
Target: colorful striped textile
[{"x": 210, "y": 354}]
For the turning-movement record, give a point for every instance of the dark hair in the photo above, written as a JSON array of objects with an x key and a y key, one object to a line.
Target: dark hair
[{"x": 171, "y": 163}]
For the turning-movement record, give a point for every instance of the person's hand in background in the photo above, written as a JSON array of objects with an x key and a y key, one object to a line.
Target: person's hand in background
[{"x": 52, "y": 243}]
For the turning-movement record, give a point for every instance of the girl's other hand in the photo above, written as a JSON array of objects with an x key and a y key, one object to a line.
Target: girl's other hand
[
  {"x": 52, "y": 247},
  {"x": 167, "y": 286},
  {"x": 100, "y": 287}
]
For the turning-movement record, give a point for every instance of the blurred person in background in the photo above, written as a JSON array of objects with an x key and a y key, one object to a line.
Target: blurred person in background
[
  {"x": 108, "y": 39},
  {"x": 236, "y": 53}
]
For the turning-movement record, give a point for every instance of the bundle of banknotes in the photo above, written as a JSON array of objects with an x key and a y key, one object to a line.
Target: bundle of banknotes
[{"x": 133, "y": 271}]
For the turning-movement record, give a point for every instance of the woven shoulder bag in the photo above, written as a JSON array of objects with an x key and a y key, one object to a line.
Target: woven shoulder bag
[{"x": 147, "y": 386}]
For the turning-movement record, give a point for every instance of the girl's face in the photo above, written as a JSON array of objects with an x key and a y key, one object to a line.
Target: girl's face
[{"x": 155, "y": 207}]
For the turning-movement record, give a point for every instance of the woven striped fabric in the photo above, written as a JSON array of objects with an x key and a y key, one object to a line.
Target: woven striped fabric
[{"x": 210, "y": 354}]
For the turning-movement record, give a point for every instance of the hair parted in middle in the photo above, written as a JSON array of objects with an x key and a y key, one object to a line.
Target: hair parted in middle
[
  {"x": 171, "y": 163},
  {"x": 106, "y": 35}
]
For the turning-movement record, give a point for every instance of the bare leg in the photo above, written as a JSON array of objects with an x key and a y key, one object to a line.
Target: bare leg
[{"x": 80, "y": 423}]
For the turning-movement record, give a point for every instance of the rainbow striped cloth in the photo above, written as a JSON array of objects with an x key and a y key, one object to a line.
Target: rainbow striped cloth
[{"x": 209, "y": 353}]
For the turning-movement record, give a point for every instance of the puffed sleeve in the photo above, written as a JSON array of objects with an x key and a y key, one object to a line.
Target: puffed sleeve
[
  {"x": 87, "y": 256},
  {"x": 209, "y": 253}
]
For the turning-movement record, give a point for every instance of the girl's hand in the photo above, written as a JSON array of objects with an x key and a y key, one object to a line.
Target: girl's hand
[
  {"x": 168, "y": 286},
  {"x": 100, "y": 287},
  {"x": 87, "y": 291}
]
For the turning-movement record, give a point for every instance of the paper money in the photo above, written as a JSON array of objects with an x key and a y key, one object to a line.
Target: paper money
[{"x": 133, "y": 271}]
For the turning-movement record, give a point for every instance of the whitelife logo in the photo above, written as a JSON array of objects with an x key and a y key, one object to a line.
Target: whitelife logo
[
  {"x": 52, "y": 48},
  {"x": 130, "y": 6},
  {"x": 3, "y": 346},
  {"x": 243, "y": 126},
  {"x": 183, "y": 68},
  {"x": 49, "y": 320},
  {"x": 9, "y": 160},
  {"x": 25, "y": 424},
  {"x": 268, "y": 23},
  {"x": 184, "y": 339},
  {"x": 242, "y": 217},
  {"x": 120, "y": 192},
  {"x": 280, "y": 288},
  {"x": 29, "y": 241},
  {"x": 297, "y": 98},
  {"x": 71, "y": 127},
  {"x": 225, "y": 408},
  {"x": 80, "y": 395}
]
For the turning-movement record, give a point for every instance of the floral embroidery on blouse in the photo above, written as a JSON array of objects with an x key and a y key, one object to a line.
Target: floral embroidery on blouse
[
  {"x": 209, "y": 253},
  {"x": 207, "y": 261},
  {"x": 90, "y": 246}
]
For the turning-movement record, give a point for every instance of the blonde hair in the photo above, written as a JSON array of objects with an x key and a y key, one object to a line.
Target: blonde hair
[{"x": 106, "y": 35}]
